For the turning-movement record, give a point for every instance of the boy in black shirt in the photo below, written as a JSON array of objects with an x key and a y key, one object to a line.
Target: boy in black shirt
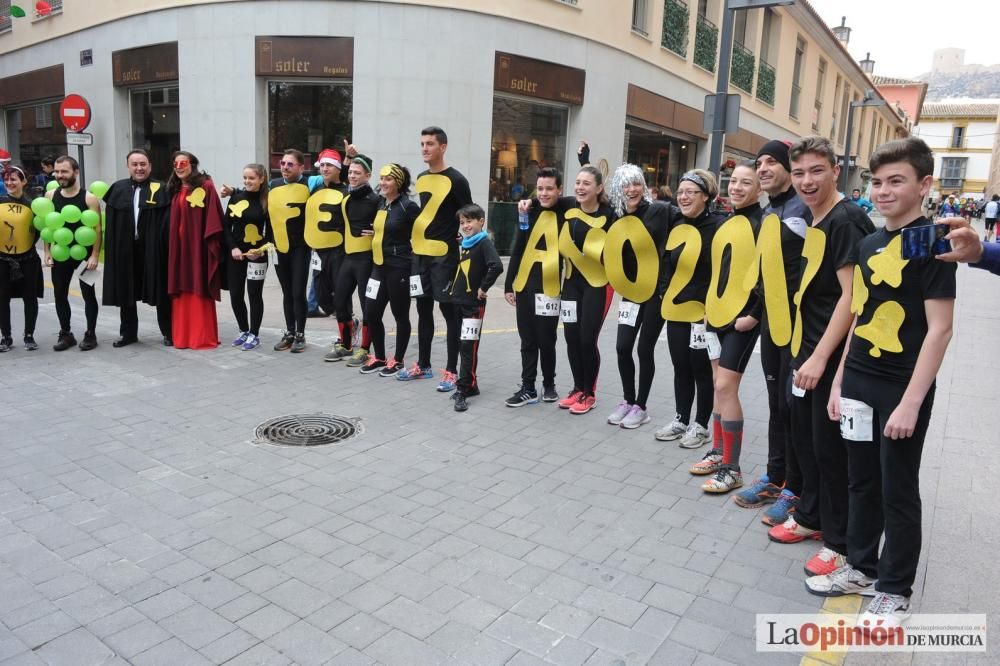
[
  {"x": 884, "y": 389},
  {"x": 478, "y": 268},
  {"x": 821, "y": 323}
]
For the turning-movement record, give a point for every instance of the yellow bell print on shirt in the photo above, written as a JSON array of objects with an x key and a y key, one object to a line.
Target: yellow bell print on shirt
[
  {"x": 887, "y": 266},
  {"x": 236, "y": 209},
  {"x": 197, "y": 198},
  {"x": 859, "y": 292},
  {"x": 588, "y": 262},
  {"x": 630, "y": 229},
  {"x": 251, "y": 235},
  {"x": 545, "y": 232},
  {"x": 736, "y": 235},
  {"x": 319, "y": 209},
  {"x": 812, "y": 251},
  {"x": 883, "y": 330}
]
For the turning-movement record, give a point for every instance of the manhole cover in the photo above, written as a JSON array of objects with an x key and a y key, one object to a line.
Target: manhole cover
[{"x": 307, "y": 430}]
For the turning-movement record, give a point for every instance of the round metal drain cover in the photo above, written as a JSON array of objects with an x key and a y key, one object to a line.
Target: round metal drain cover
[{"x": 307, "y": 430}]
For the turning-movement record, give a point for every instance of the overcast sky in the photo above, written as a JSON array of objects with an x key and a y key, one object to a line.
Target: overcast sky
[{"x": 902, "y": 36}]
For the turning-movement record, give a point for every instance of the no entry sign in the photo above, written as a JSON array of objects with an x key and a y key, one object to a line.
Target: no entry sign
[{"x": 75, "y": 113}]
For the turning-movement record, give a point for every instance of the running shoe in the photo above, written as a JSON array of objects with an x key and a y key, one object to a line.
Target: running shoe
[
  {"x": 372, "y": 365},
  {"x": 523, "y": 396},
  {"x": 89, "y": 341},
  {"x": 791, "y": 532},
  {"x": 826, "y": 561},
  {"x": 392, "y": 367},
  {"x": 358, "y": 358},
  {"x": 460, "y": 403},
  {"x": 415, "y": 372},
  {"x": 238, "y": 342},
  {"x": 885, "y": 610},
  {"x": 583, "y": 405},
  {"x": 778, "y": 513},
  {"x": 695, "y": 437},
  {"x": 448, "y": 381},
  {"x": 252, "y": 342},
  {"x": 636, "y": 417},
  {"x": 337, "y": 353},
  {"x": 570, "y": 399},
  {"x": 29, "y": 343},
  {"x": 725, "y": 480},
  {"x": 6, "y": 344},
  {"x": 549, "y": 394},
  {"x": 299, "y": 343},
  {"x": 761, "y": 493},
  {"x": 285, "y": 343},
  {"x": 621, "y": 411},
  {"x": 837, "y": 583},
  {"x": 673, "y": 430},
  {"x": 710, "y": 463}
]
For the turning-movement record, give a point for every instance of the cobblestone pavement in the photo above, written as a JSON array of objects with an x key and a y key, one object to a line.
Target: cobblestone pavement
[{"x": 139, "y": 522}]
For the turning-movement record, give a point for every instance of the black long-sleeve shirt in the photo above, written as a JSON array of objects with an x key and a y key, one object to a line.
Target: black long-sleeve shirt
[
  {"x": 478, "y": 268},
  {"x": 393, "y": 227},
  {"x": 541, "y": 221},
  {"x": 245, "y": 224},
  {"x": 361, "y": 205}
]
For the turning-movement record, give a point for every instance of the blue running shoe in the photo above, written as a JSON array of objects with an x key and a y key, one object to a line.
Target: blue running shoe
[
  {"x": 784, "y": 507},
  {"x": 238, "y": 342},
  {"x": 448, "y": 381},
  {"x": 415, "y": 372},
  {"x": 760, "y": 493}
]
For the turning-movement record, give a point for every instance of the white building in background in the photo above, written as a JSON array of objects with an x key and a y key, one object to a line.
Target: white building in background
[{"x": 962, "y": 137}]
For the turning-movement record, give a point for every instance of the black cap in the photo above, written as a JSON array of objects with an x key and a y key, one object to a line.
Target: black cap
[{"x": 778, "y": 150}]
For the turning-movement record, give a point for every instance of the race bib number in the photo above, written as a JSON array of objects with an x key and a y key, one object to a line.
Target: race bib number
[
  {"x": 416, "y": 286},
  {"x": 714, "y": 345},
  {"x": 796, "y": 391},
  {"x": 856, "y": 420},
  {"x": 256, "y": 271},
  {"x": 628, "y": 313},
  {"x": 471, "y": 328},
  {"x": 545, "y": 306},
  {"x": 698, "y": 339},
  {"x": 371, "y": 291},
  {"x": 315, "y": 264},
  {"x": 567, "y": 312}
]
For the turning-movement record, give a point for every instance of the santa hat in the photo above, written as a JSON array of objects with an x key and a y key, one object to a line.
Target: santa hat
[
  {"x": 4, "y": 155},
  {"x": 328, "y": 156}
]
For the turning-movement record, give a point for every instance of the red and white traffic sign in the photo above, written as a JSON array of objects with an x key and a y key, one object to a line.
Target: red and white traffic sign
[{"x": 75, "y": 113}]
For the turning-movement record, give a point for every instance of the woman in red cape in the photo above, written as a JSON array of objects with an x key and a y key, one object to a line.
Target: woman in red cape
[{"x": 193, "y": 273}]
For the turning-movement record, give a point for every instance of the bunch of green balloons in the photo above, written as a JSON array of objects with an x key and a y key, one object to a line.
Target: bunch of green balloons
[{"x": 64, "y": 242}]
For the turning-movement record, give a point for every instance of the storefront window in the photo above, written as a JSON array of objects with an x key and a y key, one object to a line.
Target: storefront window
[
  {"x": 156, "y": 125},
  {"x": 663, "y": 158},
  {"x": 527, "y": 136},
  {"x": 34, "y": 132},
  {"x": 309, "y": 117}
]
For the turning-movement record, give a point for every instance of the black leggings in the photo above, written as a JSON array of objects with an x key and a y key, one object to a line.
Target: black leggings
[
  {"x": 355, "y": 269},
  {"x": 238, "y": 283},
  {"x": 425, "y": 332},
  {"x": 293, "y": 274},
  {"x": 62, "y": 274},
  {"x": 782, "y": 461},
  {"x": 692, "y": 371},
  {"x": 394, "y": 291},
  {"x": 31, "y": 271},
  {"x": 647, "y": 330},
  {"x": 592, "y": 305},
  {"x": 325, "y": 280},
  {"x": 538, "y": 341}
]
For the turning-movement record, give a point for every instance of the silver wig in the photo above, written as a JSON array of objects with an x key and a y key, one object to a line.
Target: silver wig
[{"x": 626, "y": 174}]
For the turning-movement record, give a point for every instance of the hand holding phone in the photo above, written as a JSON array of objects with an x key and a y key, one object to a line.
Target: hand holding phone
[{"x": 925, "y": 241}]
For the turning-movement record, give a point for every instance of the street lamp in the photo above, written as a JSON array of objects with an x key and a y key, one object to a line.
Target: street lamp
[
  {"x": 869, "y": 100},
  {"x": 722, "y": 81}
]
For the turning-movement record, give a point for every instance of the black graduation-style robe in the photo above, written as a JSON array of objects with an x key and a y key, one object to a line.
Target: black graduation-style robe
[{"x": 136, "y": 269}]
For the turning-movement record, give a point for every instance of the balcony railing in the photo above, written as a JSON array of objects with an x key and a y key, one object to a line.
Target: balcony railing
[
  {"x": 743, "y": 66},
  {"x": 706, "y": 39},
  {"x": 675, "y": 26},
  {"x": 765, "y": 82}
]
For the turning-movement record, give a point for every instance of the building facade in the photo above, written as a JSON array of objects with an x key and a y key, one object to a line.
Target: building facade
[
  {"x": 516, "y": 84},
  {"x": 962, "y": 136}
]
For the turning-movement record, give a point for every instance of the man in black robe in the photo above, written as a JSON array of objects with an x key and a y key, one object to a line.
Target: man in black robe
[{"x": 135, "y": 251}]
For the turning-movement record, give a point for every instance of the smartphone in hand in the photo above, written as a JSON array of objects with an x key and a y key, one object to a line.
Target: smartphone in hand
[{"x": 925, "y": 241}]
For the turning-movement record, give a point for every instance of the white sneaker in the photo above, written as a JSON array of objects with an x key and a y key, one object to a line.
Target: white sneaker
[
  {"x": 673, "y": 430},
  {"x": 886, "y": 610},
  {"x": 695, "y": 437},
  {"x": 636, "y": 417},
  {"x": 845, "y": 580},
  {"x": 621, "y": 411}
]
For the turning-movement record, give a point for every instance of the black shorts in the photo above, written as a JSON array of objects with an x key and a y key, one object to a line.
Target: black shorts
[
  {"x": 436, "y": 274},
  {"x": 737, "y": 348},
  {"x": 990, "y": 223}
]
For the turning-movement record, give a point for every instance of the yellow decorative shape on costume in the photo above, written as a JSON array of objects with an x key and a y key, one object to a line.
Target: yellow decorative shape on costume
[
  {"x": 463, "y": 271},
  {"x": 285, "y": 203},
  {"x": 197, "y": 198},
  {"x": 318, "y": 211},
  {"x": 737, "y": 235},
  {"x": 154, "y": 187},
  {"x": 688, "y": 311},
  {"x": 16, "y": 227},
  {"x": 438, "y": 187},
  {"x": 887, "y": 266},
  {"x": 236, "y": 209},
  {"x": 251, "y": 234},
  {"x": 812, "y": 251},
  {"x": 630, "y": 229},
  {"x": 883, "y": 330},
  {"x": 546, "y": 228},
  {"x": 769, "y": 268},
  {"x": 859, "y": 292},
  {"x": 588, "y": 262},
  {"x": 379, "y": 226},
  {"x": 353, "y": 244}
]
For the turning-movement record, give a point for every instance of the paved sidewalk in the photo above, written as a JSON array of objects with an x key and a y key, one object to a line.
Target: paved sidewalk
[{"x": 140, "y": 524}]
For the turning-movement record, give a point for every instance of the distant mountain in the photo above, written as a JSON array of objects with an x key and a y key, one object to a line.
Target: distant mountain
[{"x": 974, "y": 82}]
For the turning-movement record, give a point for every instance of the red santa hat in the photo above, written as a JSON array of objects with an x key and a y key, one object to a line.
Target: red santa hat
[
  {"x": 4, "y": 155},
  {"x": 328, "y": 156}
]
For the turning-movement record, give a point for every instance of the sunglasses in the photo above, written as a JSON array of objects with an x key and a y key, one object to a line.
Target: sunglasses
[
  {"x": 182, "y": 164},
  {"x": 288, "y": 164}
]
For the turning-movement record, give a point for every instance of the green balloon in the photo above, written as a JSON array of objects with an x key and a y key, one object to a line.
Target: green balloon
[
  {"x": 54, "y": 221},
  {"x": 47, "y": 235},
  {"x": 78, "y": 252},
  {"x": 62, "y": 236},
  {"x": 52, "y": 185},
  {"x": 90, "y": 218},
  {"x": 39, "y": 223},
  {"x": 59, "y": 252},
  {"x": 85, "y": 236},
  {"x": 71, "y": 213},
  {"x": 42, "y": 206},
  {"x": 99, "y": 188}
]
